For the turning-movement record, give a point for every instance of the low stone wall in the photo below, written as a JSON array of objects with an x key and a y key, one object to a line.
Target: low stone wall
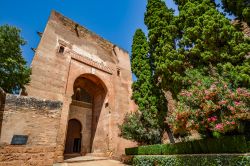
[
  {"x": 26, "y": 156},
  {"x": 36, "y": 118}
]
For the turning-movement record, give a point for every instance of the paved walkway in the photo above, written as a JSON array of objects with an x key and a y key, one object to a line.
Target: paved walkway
[
  {"x": 90, "y": 161},
  {"x": 93, "y": 163}
]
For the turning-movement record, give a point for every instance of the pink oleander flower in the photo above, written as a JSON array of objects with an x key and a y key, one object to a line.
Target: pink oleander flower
[
  {"x": 213, "y": 86},
  {"x": 222, "y": 102},
  {"x": 207, "y": 97},
  {"x": 214, "y": 118},
  {"x": 182, "y": 93},
  {"x": 231, "y": 108},
  {"x": 189, "y": 94},
  {"x": 233, "y": 122},
  {"x": 232, "y": 95},
  {"x": 206, "y": 92},
  {"x": 219, "y": 126},
  {"x": 237, "y": 103}
]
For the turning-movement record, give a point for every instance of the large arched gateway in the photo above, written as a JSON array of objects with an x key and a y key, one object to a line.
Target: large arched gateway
[{"x": 87, "y": 104}]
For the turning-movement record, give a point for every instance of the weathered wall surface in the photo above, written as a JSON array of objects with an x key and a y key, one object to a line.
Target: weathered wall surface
[
  {"x": 26, "y": 156},
  {"x": 2, "y": 102},
  {"x": 246, "y": 29},
  {"x": 36, "y": 118}
]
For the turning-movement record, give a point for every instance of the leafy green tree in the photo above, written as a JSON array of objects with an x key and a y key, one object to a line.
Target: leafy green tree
[
  {"x": 142, "y": 126},
  {"x": 209, "y": 42},
  {"x": 14, "y": 73},
  {"x": 240, "y": 8}
]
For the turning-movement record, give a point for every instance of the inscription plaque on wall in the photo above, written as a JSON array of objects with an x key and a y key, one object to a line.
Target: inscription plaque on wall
[{"x": 19, "y": 140}]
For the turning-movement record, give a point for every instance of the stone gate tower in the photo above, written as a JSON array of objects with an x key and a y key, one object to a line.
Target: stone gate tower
[{"x": 92, "y": 78}]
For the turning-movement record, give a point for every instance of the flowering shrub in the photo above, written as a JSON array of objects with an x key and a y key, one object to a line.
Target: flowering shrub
[{"x": 211, "y": 108}]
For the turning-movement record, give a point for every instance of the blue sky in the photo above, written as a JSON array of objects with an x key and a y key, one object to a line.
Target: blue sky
[{"x": 115, "y": 20}]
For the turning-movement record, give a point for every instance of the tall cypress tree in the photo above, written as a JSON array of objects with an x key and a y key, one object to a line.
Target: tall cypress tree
[
  {"x": 142, "y": 126},
  {"x": 140, "y": 63},
  {"x": 166, "y": 63},
  {"x": 163, "y": 35}
]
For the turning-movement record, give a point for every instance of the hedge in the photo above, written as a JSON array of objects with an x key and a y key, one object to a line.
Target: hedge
[
  {"x": 192, "y": 160},
  {"x": 228, "y": 144}
]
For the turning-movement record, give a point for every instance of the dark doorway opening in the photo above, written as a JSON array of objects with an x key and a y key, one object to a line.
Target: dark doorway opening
[
  {"x": 74, "y": 137},
  {"x": 77, "y": 145}
]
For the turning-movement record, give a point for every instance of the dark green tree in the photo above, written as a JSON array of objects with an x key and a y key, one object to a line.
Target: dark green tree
[
  {"x": 240, "y": 8},
  {"x": 211, "y": 43},
  {"x": 14, "y": 73},
  {"x": 166, "y": 63},
  {"x": 163, "y": 35},
  {"x": 142, "y": 126}
]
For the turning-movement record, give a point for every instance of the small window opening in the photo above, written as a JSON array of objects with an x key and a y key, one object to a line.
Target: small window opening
[
  {"x": 61, "y": 50},
  {"x": 118, "y": 72}
]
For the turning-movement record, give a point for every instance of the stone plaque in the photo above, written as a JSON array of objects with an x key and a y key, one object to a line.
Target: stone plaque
[{"x": 19, "y": 140}]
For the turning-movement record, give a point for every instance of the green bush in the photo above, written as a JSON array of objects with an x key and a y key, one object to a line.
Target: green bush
[
  {"x": 150, "y": 150},
  {"x": 229, "y": 144},
  {"x": 131, "y": 151},
  {"x": 178, "y": 148},
  {"x": 192, "y": 160}
]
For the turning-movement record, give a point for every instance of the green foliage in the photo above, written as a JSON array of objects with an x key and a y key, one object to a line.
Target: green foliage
[
  {"x": 143, "y": 86},
  {"x": 227, "y": 144},
  {"x": 214, "y": 51},
  {"x": 201, "y": 160},
  {"x": 209, "y": 41},
  {"x": 145, "y": 150},
  {"x": 150, "y": 150},
  {"x": 198, "y": 44},
  {"x": 133, "y": 128},
  {"x": 240, "y": 8},
  {"x": 163, "y": 33},
  {"x": 142, "y": 126},
  {"x": 14, "y": 73}
]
